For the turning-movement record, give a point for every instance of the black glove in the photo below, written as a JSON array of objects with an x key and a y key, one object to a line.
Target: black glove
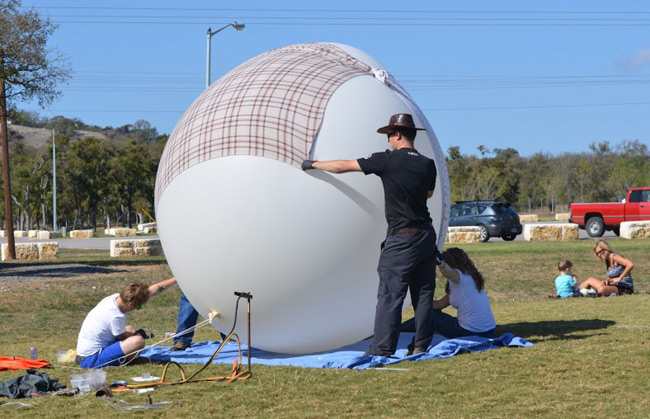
[
  {"x": 440, "y": 259},
  {"x": 144, "y": 334},
  {"x": 308, "y": 164}
]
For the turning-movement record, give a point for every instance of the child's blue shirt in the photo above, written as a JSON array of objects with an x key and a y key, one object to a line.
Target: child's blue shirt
[{"x": 564, "y": 285}]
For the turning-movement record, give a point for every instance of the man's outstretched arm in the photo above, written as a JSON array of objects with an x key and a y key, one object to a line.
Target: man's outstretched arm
[{"x": 332, "y": 166}]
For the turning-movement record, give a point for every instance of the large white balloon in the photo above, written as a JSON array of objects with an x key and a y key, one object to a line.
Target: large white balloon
[{"x": 236, "y": 213}]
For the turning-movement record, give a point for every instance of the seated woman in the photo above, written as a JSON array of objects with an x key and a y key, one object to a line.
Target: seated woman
[
  {"x": 465, "y": 291},
  {"x": 618, "y": 267}
]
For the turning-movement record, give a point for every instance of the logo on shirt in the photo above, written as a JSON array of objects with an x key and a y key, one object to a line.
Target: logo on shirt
[
  {"x": 367, "y": 157},
  {"x": 410, "y": 153}
]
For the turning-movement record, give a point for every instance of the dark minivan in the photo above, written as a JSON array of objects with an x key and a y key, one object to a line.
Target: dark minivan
[{"x": 495, "y": 219}]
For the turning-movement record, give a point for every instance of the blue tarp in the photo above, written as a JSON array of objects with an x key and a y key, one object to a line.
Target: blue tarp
[{"x": 350, "y": 356}]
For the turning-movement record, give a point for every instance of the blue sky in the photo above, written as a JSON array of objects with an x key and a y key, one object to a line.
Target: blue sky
[{"x": 552, "y": 76}]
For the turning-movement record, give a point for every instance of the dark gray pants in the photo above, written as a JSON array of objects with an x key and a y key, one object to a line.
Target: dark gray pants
[
  {"x": 446, "y": 325},
  {"x": 406, "y": 263}
]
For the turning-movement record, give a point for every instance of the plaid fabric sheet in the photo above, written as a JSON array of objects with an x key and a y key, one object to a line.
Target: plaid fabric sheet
[{"x": 270, "y": 106}]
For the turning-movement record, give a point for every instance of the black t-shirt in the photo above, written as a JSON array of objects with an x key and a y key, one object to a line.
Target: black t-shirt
[{"x": 407, "y": 177}]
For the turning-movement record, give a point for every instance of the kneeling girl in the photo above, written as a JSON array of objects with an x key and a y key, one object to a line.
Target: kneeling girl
[{"x": 465, "y": 291}]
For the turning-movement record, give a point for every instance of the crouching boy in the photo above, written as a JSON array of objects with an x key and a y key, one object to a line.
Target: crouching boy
[{"x": 105, "y": 338}]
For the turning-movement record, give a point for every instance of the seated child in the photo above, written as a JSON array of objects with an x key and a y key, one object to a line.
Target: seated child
[
  {"x": 565, "y": 283},
  {"x": 105, "y": 338}
]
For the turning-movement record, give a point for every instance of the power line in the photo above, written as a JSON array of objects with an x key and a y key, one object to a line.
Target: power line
[
  {"x": 356, "y": 17},
  {"x": 383, "y": 24},
  {"x": 520, "y": 85},
  {"x": 391, "y": 11},
  {"x": 584, "y": 105},
  {"x": 459, "y": 77},
  {"x": 113, "y": 110},
  {"x": 365, "y": 18},
  {"x": 139, "y": 72},
  {"x": 192, "y": 81}
]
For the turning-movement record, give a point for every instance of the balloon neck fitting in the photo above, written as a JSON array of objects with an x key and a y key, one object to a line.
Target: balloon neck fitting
[{"x": 213, "y": 314}]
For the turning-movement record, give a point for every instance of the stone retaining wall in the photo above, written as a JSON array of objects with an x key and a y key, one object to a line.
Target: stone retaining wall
[
  {"x": 148, "y": 228},
  {"x": 463, "y": 235},
  {"x": 39, "y": 234},
  {"x": 143, "y": 226},
  {"x": 528, "y": 218},
  {"x": 551, "y": 232},
  {"x": 136, "y": 247},
  {"x": 563, "y": 216},
  {"x": 47, "y": 235},
  {"x": 33, "y": 251},
  {"x": 81, "y": 234},
  {"x": 635, "y": 229},
  {"x": 121, "y": 232},
  {"x": 48, "y": 250}
]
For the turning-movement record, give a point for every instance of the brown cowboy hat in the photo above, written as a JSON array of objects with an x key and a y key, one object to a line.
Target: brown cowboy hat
[{"x": 399, "y": 120}]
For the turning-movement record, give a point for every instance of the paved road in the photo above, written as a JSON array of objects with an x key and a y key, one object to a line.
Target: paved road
[
  {"x": 105, "y": 242},
  {"x": 102, "y": 243}
]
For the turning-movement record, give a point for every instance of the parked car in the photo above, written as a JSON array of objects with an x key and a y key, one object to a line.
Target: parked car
[
  {"x": 495, "y": 219},
  {"x": 598, "y": 217}
]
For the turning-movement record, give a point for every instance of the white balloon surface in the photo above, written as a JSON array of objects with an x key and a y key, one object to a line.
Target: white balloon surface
[{"x": 236, "y": 213}]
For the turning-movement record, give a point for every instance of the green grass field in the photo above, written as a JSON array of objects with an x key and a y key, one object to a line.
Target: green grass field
[{"x": 590, "y": 359}]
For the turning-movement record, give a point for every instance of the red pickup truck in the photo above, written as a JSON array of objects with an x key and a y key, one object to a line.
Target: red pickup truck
[{"x": 598, "y": 217}]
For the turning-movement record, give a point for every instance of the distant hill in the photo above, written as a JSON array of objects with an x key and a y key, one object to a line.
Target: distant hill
[{"x": 42, "y": 137}]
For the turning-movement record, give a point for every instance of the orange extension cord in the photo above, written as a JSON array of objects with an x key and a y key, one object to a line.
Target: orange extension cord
[{"x": 237, "y": 373}]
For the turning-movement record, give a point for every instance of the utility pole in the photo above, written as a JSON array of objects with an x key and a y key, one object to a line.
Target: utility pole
[
  {"x": 11, "y": 244},
  {"x": 53, "y": 182}
]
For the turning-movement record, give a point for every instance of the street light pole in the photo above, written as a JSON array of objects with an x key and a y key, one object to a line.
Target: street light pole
[
  {"x": 53, "y": 183},
  {"x": 237, "y": 26}
]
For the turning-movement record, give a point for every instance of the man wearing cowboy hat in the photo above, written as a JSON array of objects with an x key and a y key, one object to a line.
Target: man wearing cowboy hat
[{"x": 409, "y": 252}]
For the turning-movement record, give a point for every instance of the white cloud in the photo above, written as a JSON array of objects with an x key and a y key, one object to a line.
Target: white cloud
[{"x": 637, "y": 61}]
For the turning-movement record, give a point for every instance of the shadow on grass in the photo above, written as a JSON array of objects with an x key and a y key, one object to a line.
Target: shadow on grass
[
  {"x": 23, "y": 271},
  {"x": 128, "y": 262},
  {"x": 554, "y": 329},
  {"x": 98, "y": 261}
]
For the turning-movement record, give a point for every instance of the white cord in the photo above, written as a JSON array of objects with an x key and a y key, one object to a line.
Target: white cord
[{"x": 184, "y": 332}]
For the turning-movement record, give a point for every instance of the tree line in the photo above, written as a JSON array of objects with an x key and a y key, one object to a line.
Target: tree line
[
  {"x": 548, "y": 182},
  {"x": 106, "y": 180},
  {"x": 109, "y": 179}
]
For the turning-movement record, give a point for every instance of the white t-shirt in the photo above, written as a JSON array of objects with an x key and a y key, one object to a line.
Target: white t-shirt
[
  {"x": 102, "y": 325},
  {"x": 474, "y": 312}
]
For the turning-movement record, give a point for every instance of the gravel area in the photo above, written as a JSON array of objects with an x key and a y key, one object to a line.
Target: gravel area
[{"x": 35, "y": 272}]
